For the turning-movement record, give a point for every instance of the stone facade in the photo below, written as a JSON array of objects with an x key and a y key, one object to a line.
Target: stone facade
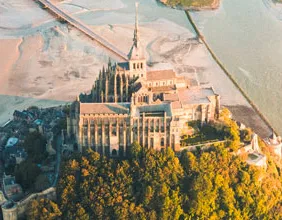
[
  {"x": 16, "y": 210},
  {"x": 131, "y": 102},
  {"x": 275, "y": 143}
]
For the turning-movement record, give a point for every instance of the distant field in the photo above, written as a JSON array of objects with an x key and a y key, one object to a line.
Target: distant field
[{"x": 191, "y": 3}]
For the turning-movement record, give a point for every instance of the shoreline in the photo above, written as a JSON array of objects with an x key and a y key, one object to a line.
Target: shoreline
[
  {"x": 254, "y": 107},
  {"x": 69, "y": 61},
  {"x": 214, "y": 6},
  {"x": 275, "y": 8}
]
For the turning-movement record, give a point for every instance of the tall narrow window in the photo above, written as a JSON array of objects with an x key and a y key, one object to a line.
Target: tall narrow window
[
  {"x": 134, "y": 66},
  {"x": 162, "y": 142},
  {"x": 137, "y": 65},
  {"x": 141, "y": 65}
]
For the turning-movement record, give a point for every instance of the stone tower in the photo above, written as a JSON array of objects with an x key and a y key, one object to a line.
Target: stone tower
[{"x": 136, "y": 56}]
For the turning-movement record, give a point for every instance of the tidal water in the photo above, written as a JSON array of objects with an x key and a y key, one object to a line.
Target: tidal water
[{"x": 247, "y": 37}]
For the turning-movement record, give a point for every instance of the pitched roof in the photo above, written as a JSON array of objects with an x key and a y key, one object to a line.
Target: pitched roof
[
  {"x": 104, "y": 108},
  {"x": 136, "y": 53},
  {"x": 162, "y": 88},
  {"x": 161, "y": 75},
  {"x": 124, "y": 65},
  {"x": 176, "y": 105},
  {"x": 171, "y": 97},
  {"x": 195, "y": 96}
]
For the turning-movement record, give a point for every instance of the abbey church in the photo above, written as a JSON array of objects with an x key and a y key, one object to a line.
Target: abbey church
[{"x": 131, "y": 102}]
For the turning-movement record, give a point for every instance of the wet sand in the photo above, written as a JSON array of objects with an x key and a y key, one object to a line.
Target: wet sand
[{"x": 56, "y": 62}]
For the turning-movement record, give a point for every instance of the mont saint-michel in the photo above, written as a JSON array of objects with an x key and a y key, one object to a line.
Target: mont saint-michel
[
  {"x": 129, "y": 102},
  {"x": 127, "y": 110}
]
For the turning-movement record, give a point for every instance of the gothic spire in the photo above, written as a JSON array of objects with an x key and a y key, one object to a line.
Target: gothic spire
[
  {"x": 136, "y": 52},
  {"x": 136, "y": 31}
]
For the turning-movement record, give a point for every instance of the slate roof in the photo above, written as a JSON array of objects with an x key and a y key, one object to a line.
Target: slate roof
[{"x": 124, "y": 65}]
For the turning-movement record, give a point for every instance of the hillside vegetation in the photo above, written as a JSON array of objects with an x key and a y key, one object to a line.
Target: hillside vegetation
[
  {"x": 192, "y": 3},
  {"x": 214, "y": 184}
]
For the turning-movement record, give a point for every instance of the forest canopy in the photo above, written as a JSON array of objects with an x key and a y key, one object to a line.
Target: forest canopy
[{"x": 213, "y": 184}]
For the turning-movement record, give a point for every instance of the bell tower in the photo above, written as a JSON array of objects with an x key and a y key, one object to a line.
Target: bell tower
[{"x": 136, "y": 56}]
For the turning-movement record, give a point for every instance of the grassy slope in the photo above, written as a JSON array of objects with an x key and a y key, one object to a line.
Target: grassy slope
[{"x": 191, "y": 3}]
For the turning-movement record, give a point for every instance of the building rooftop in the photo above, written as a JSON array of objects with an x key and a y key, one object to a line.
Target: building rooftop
[
  {"x": 124, "y": 65},
  {"x": 176, "y": 105},
  {"x": 104, "y": 108},
  {"x": 9, "y": 180},
  {"x": 195, "y": 96},
  {"x": 161, "y": 75},
  {"x": 171, "y": 97},
  {"x": 12, "y": 141},
  {"x": 162, "y": 88},
  {"x": 164, "y": 107},
  {"x": 186, "y": 96}
]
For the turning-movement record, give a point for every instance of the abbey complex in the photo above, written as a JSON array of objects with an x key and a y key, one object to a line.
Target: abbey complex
[{"x": 131, "y": 102}]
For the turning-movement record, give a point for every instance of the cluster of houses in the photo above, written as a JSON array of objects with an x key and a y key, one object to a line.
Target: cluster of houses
[{"x": 12, "y": 137}]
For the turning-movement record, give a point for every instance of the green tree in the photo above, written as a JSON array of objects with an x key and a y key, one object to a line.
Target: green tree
[
  {"x": 35, "y": 146},
  {"x": 26, "y": 174},
  {"x": 134, "y": 150},
  {"x": 42, "y": 182}
]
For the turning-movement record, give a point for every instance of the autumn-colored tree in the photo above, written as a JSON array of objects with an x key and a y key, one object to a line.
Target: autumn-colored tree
[
  {"x": 43, "y": 209},
  {"x": 211, "y": 184}
]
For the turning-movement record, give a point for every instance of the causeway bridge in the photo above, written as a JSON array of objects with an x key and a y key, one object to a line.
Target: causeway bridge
[{"x": 83, "y": 28}]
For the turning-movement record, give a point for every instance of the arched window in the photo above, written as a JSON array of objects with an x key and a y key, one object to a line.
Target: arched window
[
  {"x": 134, "y": 66},
  {"x": 141, "y": 65},
  {"x": 114, "y": 152},
  {"x": 137, "y": 65}
]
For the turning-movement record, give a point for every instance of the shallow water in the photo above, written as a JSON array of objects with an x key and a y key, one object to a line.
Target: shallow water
[
  {"x": 149, "y": 11},
  {"x": 247, "y": 38},
  {"x": 245, "y": 35}
]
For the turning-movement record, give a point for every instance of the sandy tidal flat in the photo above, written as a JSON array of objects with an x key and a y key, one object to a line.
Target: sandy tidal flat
[
  {"x": 55, "y": 62},
  {"x": 9, "y": 53}
]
